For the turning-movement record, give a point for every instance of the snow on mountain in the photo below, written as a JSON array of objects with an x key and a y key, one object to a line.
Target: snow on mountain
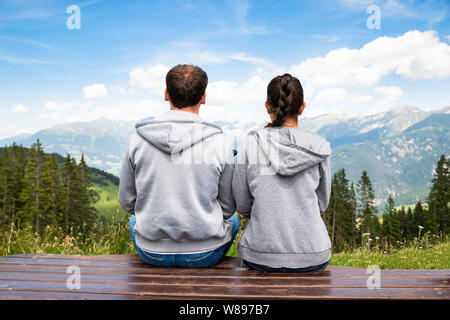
[{"x": 388, "y": 144}]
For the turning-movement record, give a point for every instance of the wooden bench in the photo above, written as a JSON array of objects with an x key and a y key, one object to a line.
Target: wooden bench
[{"x": 34, "y": 276}]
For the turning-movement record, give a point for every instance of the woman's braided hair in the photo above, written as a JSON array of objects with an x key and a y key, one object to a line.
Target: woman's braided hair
[{"x": 285, "y": 97}]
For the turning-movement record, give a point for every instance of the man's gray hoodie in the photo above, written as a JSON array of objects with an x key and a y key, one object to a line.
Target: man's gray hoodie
[
  {"x": 282, "y": 183},
  {"x": 176, "y": 178}
]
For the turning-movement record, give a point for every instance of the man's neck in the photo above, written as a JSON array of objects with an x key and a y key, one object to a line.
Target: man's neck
[{"x": 194, "y": 110}]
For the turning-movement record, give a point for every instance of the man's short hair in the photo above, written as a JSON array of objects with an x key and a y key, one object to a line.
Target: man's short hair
[{"x": 186, "y": 85}]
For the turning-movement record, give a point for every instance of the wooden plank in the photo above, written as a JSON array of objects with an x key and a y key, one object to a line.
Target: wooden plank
[
  {"x": 226, "y": 262},
  {"x": 126, "y": 277},
  {"x": 133, "y": 258},
  {"x": 175, "y": 272},
  {"x": 35, "y": 295},
  {"x": 94, "y": 263},
  {"x": 112, "y": 257},
  {"x": 38, "y": 264},
  {"x": 232, "y": 292},
  {"x": 345, "y": 282}
]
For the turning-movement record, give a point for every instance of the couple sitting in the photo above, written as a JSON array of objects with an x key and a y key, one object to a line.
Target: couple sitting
[{"x": 183, "y": 210}]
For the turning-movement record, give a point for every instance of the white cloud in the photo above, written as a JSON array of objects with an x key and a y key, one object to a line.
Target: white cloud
[
  {"x": 342, "y": 81},
  {"x": 225, "y": 93},
  {"x": 126, "y": 110},
  {"x": 361, "y": 99},
  {"x": 358, "y": 3},
  {"x": 19, "y": 108},
  {"x": 430, "y": 12},
  {"x": 389, "y": 91},
  {"x": 329, "y": 95},
  {"x": 199, "y": 53},
  {"x": 390, "y": 95},
  {"x": 95, "y": 91},
  {"x": 119, "y": 89},
  {"x": 244, "y": 57},
  {"x": 414, "y": 55},
  {"x": 152, "y": 78},
  {"x": 55, "y": 111},
  {"x": 10, "y": 131}
]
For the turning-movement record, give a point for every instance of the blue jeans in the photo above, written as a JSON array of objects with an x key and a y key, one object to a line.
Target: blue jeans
[
  {"x": 266, "y": 268},
  {"x": 194, "y": 260}
]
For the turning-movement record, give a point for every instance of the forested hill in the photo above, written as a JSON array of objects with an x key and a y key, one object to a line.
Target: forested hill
[
  {"x": 42, "y": 190},
  {"x": 96, "y": 175}
]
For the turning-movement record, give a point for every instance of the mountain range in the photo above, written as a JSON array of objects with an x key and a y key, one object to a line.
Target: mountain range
[{"x": 399, "y": 148}]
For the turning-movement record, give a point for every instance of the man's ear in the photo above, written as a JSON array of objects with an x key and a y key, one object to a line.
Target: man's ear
[
  {"x": 166, "y": 95},
  {"x": 302, "y": 108},
  {"x": 203, "y": 100},
  {"x": 267, "y": 107}
]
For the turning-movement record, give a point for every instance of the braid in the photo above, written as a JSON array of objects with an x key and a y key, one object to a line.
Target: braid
[{"x": 285, "y": 102}]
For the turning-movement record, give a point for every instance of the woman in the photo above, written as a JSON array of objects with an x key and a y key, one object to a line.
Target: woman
[{"x": 282, "y": 183}]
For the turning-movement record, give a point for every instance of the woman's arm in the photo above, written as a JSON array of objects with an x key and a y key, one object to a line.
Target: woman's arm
[
  {"x": 241, "y": 191},
  {"x": 324, "y": 189}
]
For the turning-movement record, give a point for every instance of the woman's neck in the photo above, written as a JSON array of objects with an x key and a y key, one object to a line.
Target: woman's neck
[{"x": 291, "y": 122}]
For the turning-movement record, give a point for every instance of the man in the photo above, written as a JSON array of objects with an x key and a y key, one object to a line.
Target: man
[{"x": 176, "y": 180}]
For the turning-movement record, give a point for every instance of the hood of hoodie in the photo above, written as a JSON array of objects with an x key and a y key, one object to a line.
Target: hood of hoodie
[
  {"x": 175, "y": 131},
  {"x": 291, "y": 150}
]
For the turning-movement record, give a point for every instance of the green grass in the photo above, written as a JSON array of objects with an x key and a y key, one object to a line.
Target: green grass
[
  {"x": 428, "y": 252},
  {"x": 411, "y": 257},
  {"x": 108, "y": 206},
  {"x": 101, "y": 239}
]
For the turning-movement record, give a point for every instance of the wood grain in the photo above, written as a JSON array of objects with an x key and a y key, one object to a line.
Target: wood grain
[{"x": 119, "y": 277}]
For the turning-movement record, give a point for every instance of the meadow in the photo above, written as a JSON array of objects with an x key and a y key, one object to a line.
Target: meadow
[{"x": 425, "y": 252}]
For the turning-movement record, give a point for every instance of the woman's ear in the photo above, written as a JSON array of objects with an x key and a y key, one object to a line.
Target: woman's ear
[
  {"x": 267, "y": 107},
  {"x": 302, "y": 108}
]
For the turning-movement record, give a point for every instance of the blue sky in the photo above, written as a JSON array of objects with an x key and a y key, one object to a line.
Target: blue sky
[{"x": 114, "y": 66}]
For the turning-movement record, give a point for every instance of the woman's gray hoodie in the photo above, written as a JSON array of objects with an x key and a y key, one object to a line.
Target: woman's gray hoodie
[
  {"x": 282, "y": 183},
  {"x": 176, "y": 178}
]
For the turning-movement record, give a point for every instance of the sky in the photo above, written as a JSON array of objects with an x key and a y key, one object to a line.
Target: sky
[{"x": 110, "y": 60}]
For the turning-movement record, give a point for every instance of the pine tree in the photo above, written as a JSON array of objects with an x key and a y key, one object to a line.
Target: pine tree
[
  {"x": 439, "y": 197},
  {"x": 18, "y": 164},
  {"x": 340, "y": 215},
  {"x": 387, "y": 220},
  {"x": 69, "y": 191},
  {"x": 30, "y": 196},
  {"x": 419, "y": 218},
  {"x": 353, "y": 204},
  {"x": 366, "y": 206},
  {"x": 391, "y": 223},
  {"x": 411, "y": 224},
  {"x": 52, "y": 192},
  {"x": 403, "y": 220},
  {"x": 7, "y": 192},
  {"x": 79, "y": 213},
  {"x": 87, "y": 196}
]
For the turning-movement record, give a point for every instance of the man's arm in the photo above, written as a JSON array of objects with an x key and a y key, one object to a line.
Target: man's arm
[
  {"x": 225, "y": 196},
  {"x": 127, "y": 187}
]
